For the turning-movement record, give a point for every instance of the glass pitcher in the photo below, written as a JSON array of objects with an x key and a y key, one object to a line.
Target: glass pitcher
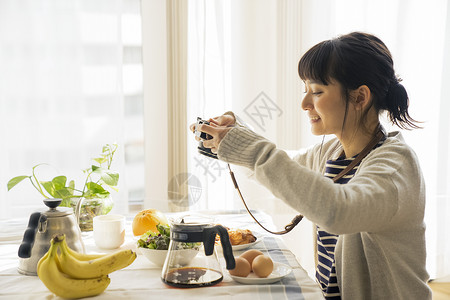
[{"x": 192, "y": 260}]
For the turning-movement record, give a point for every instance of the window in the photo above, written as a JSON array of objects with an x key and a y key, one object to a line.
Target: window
[{"x": 71, "y": 81}]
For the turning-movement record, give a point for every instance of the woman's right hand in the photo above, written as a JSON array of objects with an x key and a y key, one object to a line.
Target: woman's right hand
[
  {"x": 226, "y": 120},
  {"x": 223, "y": 120}
]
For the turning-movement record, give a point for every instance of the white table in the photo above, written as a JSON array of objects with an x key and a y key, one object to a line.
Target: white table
[{"x": 141, "y": 280}]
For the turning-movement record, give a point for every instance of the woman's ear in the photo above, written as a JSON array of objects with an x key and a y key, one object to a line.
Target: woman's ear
[{"x": 362, "y": 97}]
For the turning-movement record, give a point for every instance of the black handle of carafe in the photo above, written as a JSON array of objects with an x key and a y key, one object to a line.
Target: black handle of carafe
[
  {"x": 29, "y": 236},
  {"x": 209, "y": 238}
]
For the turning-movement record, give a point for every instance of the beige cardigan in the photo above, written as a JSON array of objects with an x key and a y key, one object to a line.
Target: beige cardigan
[{"x": 379, "y": 214}]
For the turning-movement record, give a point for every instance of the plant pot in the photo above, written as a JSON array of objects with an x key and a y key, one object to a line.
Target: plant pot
[{"x": 86, "y": 209}]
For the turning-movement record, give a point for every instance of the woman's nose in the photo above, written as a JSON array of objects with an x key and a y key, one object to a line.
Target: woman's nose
[{"x": 306, "y": 102}]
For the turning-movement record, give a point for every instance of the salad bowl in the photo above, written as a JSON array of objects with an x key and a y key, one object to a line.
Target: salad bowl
[
  {"x": 155, "y": 256},
  {"x": 184, "y": 256},
  {"x": 154, "y": 246}
]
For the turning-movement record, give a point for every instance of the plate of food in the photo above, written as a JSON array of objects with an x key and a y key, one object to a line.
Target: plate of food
[
  {"x": 279, "y": 272},
  {"x": 240, "y": 239}
]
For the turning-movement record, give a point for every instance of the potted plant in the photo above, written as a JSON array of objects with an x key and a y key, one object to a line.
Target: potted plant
[{"x": 92, "y": 200}]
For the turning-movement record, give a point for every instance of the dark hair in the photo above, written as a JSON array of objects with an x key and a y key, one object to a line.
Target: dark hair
[{"x": 357, "y": 59}]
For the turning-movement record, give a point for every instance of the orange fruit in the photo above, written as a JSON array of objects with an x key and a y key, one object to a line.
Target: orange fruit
[{"x": 146, "y": 220}]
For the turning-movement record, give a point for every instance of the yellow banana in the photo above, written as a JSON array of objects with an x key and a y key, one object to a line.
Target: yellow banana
[
  {"x": 41, "y": 260},
  {"x": 104, "y": 265},
  {"x": 77, "y": 255},
  {"x": 62, "y": 285}
]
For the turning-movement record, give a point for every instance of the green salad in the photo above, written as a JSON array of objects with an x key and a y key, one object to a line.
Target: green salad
[
  {"x": 161, "y": 240},
  {"x": 158, "y": 241}
]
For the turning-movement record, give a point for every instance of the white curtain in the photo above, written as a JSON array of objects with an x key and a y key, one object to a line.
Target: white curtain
[
  {"x": 441, "y": 209},
  {"x": 232, "y": 59},
  {"x": 63, "y": 88},
  {"x": 242, "y": 56}
]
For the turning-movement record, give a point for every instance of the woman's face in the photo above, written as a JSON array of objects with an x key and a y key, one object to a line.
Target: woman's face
[{"x": 325, "y": 106}]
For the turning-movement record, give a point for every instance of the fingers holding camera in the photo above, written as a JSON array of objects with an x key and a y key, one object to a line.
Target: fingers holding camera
[
  {"x": 226, "y": 120},
  {"x": 214, "y": 122},
  {"x": 223, "y": 120},
  {"x": 214, "y": 150},
  {"x": 217, "y": 133},
  {"x": 192, "y": 128},
  {"x": 211, "y": 144}
]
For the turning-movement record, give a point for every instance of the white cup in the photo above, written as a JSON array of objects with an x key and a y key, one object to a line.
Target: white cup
[{"x": 109, "y": 231}]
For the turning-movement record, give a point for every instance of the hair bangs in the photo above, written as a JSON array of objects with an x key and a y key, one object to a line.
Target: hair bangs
[{"x": 317, "y": 63}]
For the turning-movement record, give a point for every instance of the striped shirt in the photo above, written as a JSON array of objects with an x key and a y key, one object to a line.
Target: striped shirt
[{"x": 326, "y": 242}]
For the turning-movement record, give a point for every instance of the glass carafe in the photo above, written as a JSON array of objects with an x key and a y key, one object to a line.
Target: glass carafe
[{"x": 192, "y": 260}]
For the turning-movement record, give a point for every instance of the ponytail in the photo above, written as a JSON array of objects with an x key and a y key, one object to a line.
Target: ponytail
[{"x": 396, "y": 104}]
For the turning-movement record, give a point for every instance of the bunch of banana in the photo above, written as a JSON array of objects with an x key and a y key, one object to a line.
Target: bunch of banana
[{"x": 75, "y": 275}]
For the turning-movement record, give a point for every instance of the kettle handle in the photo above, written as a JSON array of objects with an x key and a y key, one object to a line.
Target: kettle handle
[
  {"x": 209, "y": 238},
  {"x": 29, "y": 236}
]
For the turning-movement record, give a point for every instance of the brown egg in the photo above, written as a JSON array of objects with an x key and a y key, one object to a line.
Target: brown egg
[
  {"x": 262, "y": 266},
  {"x": 250, "y": 255},
  {"x": 242, "y": 268}
]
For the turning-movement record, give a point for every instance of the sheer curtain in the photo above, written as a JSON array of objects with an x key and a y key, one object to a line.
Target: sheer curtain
[
  {"x": 243, "y": 55},
  {"x": 65, "y": 91},
  {"x": 208, "y": 94},
  {"x": 441, "y": 210},
  {"x": 232, "y": 65}
]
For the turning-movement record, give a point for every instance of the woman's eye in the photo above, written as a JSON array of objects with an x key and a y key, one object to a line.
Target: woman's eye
[{"x": 312, "y": 92}]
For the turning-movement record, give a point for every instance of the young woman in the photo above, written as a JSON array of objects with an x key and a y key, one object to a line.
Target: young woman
[{"x": 370, "y": 229}]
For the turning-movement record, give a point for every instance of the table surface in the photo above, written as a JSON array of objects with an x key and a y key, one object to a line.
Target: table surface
[{"x": 141, "y": 280}]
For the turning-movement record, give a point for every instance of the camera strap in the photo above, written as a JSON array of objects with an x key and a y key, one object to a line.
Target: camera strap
[
  {"x": 287, "y": 228},
  {"x": 375, "y": 140}
]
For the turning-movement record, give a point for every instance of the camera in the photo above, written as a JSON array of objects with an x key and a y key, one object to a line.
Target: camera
[{"x": 204, "y": 136}]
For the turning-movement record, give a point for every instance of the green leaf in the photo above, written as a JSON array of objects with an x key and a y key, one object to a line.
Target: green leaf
[
  {"x": 94, "y": 187},
  {"x": 14, "y": 181},
  {"x": 66, "y": 202},
  {"x": 59, "y": 182},
  {"x": 107, "y": 176},
  {"x": 100, "y": 160},
  {"x": 49, "y": 187},
  {"x": 57, "y": 187},
  {"x": 95, "y": 190},
  {"x": 64, "y": 193},
  {"x": 72, "y": 186},
  {"x": 110, "y": 178}
]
